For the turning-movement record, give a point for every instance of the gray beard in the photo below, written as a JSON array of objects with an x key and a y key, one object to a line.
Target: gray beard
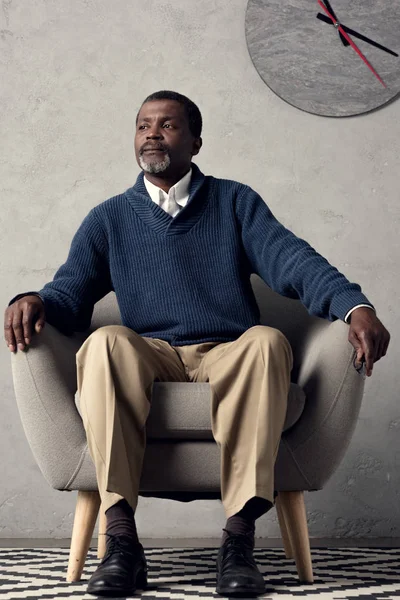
[{"x": 155, "y": 167}]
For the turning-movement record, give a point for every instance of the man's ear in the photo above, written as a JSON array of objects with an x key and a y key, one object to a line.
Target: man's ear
[{"x": 197, "y": 144}]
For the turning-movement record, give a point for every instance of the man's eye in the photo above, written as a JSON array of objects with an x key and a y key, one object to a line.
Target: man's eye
[
  {"x": 142, "y": 126},
  {"x": 167, "y": 125}
]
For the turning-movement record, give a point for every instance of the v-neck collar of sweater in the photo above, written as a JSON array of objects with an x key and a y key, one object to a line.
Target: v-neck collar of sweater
[{"x": 156, "y": 217}]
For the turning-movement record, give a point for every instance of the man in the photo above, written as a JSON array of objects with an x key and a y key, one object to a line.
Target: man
[{"x": 178, "y": 249}]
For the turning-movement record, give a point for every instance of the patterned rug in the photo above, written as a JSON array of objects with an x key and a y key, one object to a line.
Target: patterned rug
[{"x": 179, "y": 573}]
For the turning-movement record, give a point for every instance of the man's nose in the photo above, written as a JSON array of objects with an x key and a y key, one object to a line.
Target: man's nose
[{"x": 154, "y": 134}]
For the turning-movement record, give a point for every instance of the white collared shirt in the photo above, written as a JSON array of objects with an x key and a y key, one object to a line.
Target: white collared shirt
[{"x": 178, "y": 193}]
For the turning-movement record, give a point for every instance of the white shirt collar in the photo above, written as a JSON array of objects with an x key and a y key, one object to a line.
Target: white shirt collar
[{"x": 180, "y": 190}]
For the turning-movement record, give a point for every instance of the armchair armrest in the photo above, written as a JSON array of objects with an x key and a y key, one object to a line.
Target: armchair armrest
[
  {"x": 45, "y": 383},
  {"x": 334, "y": 390}
]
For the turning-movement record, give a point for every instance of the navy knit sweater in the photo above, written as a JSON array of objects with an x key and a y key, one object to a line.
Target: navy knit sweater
[{"x": 186, "y": 279}]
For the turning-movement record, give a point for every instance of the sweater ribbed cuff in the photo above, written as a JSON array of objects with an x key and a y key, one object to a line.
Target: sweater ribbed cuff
[{"x": 347, "y": 300}]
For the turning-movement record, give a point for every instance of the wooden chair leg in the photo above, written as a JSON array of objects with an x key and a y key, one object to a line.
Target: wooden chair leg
[
  {"x": 86, "y": 511},
  {"x": 101, "y": 542},
  {"x": 284, "y": 532},
  {"x": 295, "y": 518}
]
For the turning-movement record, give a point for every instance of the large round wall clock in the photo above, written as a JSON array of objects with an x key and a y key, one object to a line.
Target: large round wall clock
[{"x": 328, "y": 57}]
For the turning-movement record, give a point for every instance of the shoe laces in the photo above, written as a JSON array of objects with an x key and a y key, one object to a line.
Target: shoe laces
[
  {"x": 116, "y": 544},
  {"x": 239, "y": 545}
]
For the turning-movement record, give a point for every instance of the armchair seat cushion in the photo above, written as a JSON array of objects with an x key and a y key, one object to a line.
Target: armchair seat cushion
[{"x": 181, "y": 410}]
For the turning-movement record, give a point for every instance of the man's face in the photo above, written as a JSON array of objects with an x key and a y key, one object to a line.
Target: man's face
[{"x": 163, "y": 141}]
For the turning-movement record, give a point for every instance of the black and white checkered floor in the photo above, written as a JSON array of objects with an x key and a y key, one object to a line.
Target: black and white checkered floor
[{"x": 178, "y": 573}]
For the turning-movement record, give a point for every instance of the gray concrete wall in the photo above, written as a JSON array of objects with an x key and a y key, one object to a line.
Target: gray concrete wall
[{"x": 73, "y": 76}]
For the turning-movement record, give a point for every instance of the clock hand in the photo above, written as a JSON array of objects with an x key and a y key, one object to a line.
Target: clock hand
[
  {"x": 365, "y": 39},
  {"x": 326, "y": 19},
  {"x": 352, "y": 44},
  {"x": 329, "y": 7}
]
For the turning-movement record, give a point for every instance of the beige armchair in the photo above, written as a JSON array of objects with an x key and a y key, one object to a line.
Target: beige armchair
[{"x": 182, "y": 459}]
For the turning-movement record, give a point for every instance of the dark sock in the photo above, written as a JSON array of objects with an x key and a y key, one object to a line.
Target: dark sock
[
  {"x": 243, "y": 522},
  {"x": 238, "y": 525},
  {"x": 121, "y": 520}
]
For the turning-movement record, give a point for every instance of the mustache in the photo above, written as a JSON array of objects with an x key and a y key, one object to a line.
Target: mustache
[{"x": 153, "y": 147}]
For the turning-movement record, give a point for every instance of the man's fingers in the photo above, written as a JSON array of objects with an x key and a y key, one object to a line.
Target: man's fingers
[
  {"x": 368, "y": 348},
  {"x": 356, "y": 343},
  {"x": 21, "y": 320},
  {"x": 39, "y": 325},
  {"x": 18, "y": 329},
  {"x": 364, "y": 347},
  {"x": 385, "y": 347},
  {"x": 40, "y": 321},
  {"x": 380, "y": 350},
  {"x": 27, "y": 320},
  {"x": 9, "y": 332},
  {"x": 370, "y": 340}
]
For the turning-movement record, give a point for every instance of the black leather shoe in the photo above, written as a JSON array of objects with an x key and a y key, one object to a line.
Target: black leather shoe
[
  {"x": 122, "y": 570},
  {"x": 237, "y": 572}
]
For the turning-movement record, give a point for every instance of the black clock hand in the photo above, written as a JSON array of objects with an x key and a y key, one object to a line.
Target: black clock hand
[
  {"x": 365, "y": 39},
  {"x": 329, "y": 7},
  {"x": 326, "y": 19}
]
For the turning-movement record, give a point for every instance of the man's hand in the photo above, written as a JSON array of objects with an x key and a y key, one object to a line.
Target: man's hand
[
  {"x": 368, "y": 336},
  {"x": 21, "y": 319}
]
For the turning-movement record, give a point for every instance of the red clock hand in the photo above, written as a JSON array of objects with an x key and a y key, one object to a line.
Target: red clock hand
[{"x": 352, "y": 44}]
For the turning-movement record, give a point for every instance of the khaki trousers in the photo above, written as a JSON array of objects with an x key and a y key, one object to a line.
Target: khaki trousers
[{"x": 249, "y": 382}]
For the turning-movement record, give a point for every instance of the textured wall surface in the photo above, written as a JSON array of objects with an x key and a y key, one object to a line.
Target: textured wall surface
[{"x": 73, "y": 76}]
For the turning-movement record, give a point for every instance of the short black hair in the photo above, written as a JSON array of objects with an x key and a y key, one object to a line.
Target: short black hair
[{"x": 192, "y": 111}]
